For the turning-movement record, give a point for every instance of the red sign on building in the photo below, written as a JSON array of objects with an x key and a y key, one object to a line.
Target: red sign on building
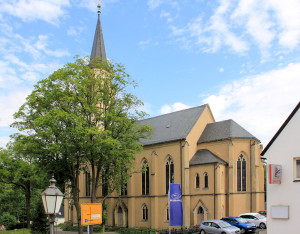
[{"x": 275, "y": 172}]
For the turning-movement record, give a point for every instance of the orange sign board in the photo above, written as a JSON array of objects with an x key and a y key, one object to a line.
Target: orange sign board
[{"x": 91, "y": 214}]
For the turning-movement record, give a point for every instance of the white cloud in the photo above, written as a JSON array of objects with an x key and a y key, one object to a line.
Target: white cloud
[
  {"x": 30, "y": 10},
  {"x": 10, "y": 102},
  {"x": 269, "y": 25},
  {"x": 166, "y": 15},
  {"x": 4, "y": 141},
  {"x": 221, "y": 69},
  {"x": 287, "y": 15},
  {"x": 260, "y": 103},
  {"x": 153, "y": 4},
  {"x": 92, "y": 4},
  {"x": 174, "y": 107},
  {"x": 75, "y": 31}
]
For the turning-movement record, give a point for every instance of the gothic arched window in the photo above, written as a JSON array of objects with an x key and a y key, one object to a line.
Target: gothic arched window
[
  {"x": 241, "y": 173},
  {"x": 197, "y": 181},
  {"x": 87, "y": 182},
  {"x": 145, "y": 178},
  {"x": 145, "y": 213},
  {"x": 205, "y": 180},
  {"x": 169, "y": 173}
]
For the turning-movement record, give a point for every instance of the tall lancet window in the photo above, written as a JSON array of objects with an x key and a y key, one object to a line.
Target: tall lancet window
[
  {"x": 197, "y": 181},
  {"x": 169, "y": 173},
  {"x": 205, "y": 180},
  {"x": 145, "y": 178},
  {"x": 145, "y": 213},
  {"x": 241, "y": 173}
]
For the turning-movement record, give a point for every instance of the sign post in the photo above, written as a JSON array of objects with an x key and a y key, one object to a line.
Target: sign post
[
  {"x": 2, "y": 228},
  {"x": 91, "y": 214}
]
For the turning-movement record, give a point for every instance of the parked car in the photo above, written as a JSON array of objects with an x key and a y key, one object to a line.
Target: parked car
[
  {"x": 217, "y": 227},
  {"x": 263, "y": 212},
  {"x": 241, "y": 223},
  {"x": 256, "y": 218}
]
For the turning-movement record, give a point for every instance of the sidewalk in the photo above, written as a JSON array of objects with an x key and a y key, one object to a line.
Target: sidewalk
[
  {"x": 59, "y": 231},
  {"x": 263, "y": 231}
]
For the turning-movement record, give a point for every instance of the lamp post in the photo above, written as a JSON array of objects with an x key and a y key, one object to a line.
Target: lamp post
[{"x": 52, "y": 198}]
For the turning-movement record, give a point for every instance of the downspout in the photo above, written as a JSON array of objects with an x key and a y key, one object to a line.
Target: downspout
[
  {"x": 250, "y": 176},
  {"x": 214, "y": 190},
  {"x": 182, "y": 167}
]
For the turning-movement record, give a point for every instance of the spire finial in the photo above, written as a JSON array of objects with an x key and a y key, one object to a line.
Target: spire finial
[{"x": 99, "y": 7}]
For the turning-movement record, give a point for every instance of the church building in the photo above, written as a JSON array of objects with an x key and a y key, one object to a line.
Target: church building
[{"x": 217, "y": 165}]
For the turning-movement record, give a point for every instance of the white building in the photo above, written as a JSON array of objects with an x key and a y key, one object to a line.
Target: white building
[{"x": 283, "y": 194}]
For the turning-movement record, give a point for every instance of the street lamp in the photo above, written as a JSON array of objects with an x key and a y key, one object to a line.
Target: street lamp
[{"x": 52, "y": 198}]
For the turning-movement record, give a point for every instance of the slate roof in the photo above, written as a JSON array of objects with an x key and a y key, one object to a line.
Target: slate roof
[
  {"x": 204, "y": 156},
  {"x": 98, "y": 49},
  {"x": 173, "y": 126},
  {"x": 222, "y": 130}
]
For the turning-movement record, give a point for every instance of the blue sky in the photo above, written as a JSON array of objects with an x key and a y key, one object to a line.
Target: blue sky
[{"x": 239, "y": 56}]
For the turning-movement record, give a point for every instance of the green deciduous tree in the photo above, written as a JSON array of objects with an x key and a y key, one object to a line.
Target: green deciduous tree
[
  {"x": 83, "y": 114},
  {"x": 20, "y": 173}
]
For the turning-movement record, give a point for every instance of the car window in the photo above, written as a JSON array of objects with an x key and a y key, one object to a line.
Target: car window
[
  {"x": 224, "y": 224},
  {"x": 226, "y": 219},
  {"x": 259, "y": 216},
  {"x": 241, "y": 220},
  {"x": 214, "y": 225},
  {"x": 205, "y": 224}
]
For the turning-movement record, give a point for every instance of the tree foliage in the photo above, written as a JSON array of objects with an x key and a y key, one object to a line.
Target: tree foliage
[
  {"x": 19, "y": 173},
  {"x": 8, "y": 220},
  {"x": 83, "y": 114}
]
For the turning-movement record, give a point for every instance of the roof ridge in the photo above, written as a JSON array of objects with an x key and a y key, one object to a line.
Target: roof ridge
[{"x": 170, "y": 113}]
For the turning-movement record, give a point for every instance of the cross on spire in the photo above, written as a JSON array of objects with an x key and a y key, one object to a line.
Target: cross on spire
[{"x": 99, "y": 7}]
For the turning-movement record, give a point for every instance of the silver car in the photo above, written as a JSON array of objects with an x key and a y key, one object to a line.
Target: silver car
[
  {"x": 217, "y": 226},
  {"x": 256, "y": 218}
]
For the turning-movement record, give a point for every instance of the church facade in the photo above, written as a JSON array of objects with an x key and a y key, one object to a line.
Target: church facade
[{"x": 217, "y": 165}]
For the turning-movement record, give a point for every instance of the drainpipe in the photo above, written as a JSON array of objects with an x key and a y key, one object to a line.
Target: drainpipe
[
  {"x": 214, "y": 190},
  {"x": 250, "y": 176},
  {"x": 182, "y": 167}
]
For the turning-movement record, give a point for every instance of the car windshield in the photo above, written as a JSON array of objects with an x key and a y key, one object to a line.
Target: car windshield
[
  {"x": 241, "y": 220},
  {"x": 223, "y": 224},
  {"x": 259, "y": 216}
]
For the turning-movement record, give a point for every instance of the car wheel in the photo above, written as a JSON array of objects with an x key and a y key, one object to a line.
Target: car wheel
[
  {"x": 262, "y": 225},
  {"x": 202, "y": 232},
  {"x": 243, "y": 230}
]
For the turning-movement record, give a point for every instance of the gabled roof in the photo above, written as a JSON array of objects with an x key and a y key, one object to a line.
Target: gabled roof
[
  {"x": 173, "y": 126},
  {"x": 227, "y": 129},
  {"x": 281, "y": 129},
  {"x": 204, "y": 156},
  {"x": 98, "y": 49}
]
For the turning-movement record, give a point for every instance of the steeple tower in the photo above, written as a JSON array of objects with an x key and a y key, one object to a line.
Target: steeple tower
[{"x": 98, "y": 49}]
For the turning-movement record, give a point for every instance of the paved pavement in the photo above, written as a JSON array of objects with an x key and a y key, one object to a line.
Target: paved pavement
[
  {"x": 264, "y": 231},
  {"x": 59, "y": 231}
]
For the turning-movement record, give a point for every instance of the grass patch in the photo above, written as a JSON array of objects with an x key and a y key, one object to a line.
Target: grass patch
[{"x": 16, "y": 231}]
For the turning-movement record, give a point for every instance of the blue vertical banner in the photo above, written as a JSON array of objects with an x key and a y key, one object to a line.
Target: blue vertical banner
[{"x": 175, "y": 205}]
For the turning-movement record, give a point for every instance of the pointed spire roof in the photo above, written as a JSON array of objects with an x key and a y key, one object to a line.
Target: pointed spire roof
[{"x": 98, "y": 49}]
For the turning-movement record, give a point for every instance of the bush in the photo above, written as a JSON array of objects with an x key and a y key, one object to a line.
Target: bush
[
  {"x": 8, "y": 220},
  {"x": 40, "y": 224}
]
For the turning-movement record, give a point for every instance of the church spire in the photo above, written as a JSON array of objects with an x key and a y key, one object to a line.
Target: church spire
[{"x": 98, "y": 49}]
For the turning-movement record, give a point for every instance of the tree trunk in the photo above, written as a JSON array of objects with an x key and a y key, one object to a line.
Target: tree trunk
[
  {"x": 78, "y": 208},
  {"x": 27, "y": 197}
]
